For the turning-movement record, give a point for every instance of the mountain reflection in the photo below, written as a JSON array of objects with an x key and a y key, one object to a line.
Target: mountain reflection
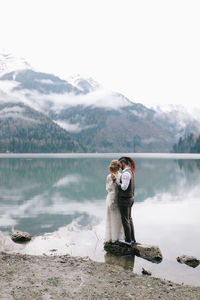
[
  {"x": 188, "y": 165},
  {"x": 42, "y": 194}
]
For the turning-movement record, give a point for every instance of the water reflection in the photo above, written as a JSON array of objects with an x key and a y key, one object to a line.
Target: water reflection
[
  {"x": 61, "y": 202},
  {"x": 48, "y": 192},
  {"x": 51, "y": 192},
  {"x": 127, "y": 262}
]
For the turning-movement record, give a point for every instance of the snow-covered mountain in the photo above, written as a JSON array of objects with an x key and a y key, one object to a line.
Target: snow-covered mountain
[
  {"x": 19, "y": 70},
  {"x": 183, "y": 119},
  {"x": 183, "y": 114},
  {"x": 85, "y": 85},
  {"x": 102, "y": 120},
  {"x": 47, "y": 92},
  {"x": 9, "y": 63}
]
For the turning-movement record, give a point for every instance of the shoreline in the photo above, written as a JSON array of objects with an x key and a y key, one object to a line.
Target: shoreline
[
  {"x": 73, "y": 155},
  {"x": 45, "y": 277}
]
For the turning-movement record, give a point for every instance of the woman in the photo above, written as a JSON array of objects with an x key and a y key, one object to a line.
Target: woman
[{"x": 114, "y": 228}]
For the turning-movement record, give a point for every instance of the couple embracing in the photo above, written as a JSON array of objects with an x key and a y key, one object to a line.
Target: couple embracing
[{"x": 119, "y": 201}]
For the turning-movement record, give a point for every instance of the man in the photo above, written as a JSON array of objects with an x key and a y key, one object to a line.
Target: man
[{"x": 126, "y": 189}]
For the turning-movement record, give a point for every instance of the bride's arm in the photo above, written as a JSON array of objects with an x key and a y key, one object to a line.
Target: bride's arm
[
  {"x": 109, "y": 184},
  {"x": 118, "y": 178},
  {"x": 109, "y": 188}
]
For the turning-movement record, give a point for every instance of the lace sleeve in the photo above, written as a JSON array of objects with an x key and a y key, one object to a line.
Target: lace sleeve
[
  {"x": 109, "y": 184},
  {"x": 118, "y": 178}
]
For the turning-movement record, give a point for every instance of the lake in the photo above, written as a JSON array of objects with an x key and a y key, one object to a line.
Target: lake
[{"x": 60, "y": 200}]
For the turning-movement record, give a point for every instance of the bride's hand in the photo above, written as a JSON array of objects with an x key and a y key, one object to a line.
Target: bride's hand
[
  {"x": 113, "y": 176},
  {"x": 113, "y": 206}
]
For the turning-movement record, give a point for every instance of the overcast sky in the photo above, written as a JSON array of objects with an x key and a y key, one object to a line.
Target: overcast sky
[{"x": 149, "y": 50}]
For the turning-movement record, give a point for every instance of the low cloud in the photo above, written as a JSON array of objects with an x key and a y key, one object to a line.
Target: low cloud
[
  {"x": 68, "y": 126},
  {"x": 13, "y": 109},
  {"x": 72, "y": 127},
  {"x": 17, "y": 116},
  {"x": 8, "y": 95},
  {"x": 149, "y": 140},
  {"x": 99, "y": 98},
  {"x": 15, "y": 112},
  {"x": 45, "y": 81}
]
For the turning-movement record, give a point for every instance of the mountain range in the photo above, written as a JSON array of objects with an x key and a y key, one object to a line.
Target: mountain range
[{"x": 41, "y": 112}]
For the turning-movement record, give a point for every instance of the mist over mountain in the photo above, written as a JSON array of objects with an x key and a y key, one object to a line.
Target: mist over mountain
[
  {"x": 24, "y": 129},
  {"x": 84, "y": 113}
]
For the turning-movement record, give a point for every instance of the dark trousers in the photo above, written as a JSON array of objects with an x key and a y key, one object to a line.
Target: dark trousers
[{"x": 127, "y": 222}]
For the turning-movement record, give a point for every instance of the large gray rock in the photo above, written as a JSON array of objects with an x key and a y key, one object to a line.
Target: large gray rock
[
  {"x": 148, "y": 252},
  {"x": 20, "y": 236},
  {"x": 191, "y": 261},
  {"x": 151, "y": 253}
]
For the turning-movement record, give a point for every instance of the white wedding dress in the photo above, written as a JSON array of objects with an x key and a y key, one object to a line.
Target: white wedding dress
[{"x": 114, "y": 228}]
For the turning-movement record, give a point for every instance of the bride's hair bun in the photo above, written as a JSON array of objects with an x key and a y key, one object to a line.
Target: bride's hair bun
[{"x": 114, "y": 166}]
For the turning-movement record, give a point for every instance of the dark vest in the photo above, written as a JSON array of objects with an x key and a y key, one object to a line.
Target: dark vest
[{"x": 129, "y": 192}]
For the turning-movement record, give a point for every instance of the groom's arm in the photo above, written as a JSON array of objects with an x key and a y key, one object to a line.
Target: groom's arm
[{"x": 125, "y": 180}]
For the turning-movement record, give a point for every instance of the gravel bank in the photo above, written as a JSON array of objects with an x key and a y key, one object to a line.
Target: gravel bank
[{"x": 25, "y": 277}]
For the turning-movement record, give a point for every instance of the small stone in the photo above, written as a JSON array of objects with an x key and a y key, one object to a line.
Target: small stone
[
  {"x": 129, "y": 297},
  {"x": 20, "y": 236},
  {"x": 146, "y": 272},
  {"x": 191, "y": 261}
]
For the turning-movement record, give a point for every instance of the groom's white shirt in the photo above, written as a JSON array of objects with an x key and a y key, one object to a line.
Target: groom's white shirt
[{"x": 125, "y": 179}]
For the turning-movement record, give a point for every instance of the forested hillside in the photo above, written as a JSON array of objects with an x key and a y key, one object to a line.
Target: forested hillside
[
  {"x": 188, "y": 144},
  {"x": 23, "y": 129}
]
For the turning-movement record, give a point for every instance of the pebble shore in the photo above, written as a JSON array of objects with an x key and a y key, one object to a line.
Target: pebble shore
[{"x": 27, "y": 277}]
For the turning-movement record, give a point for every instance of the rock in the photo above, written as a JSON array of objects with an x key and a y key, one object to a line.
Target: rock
[
  {"x": 129, "y": 297},
  {"x": 146, "y": 272},
  {"x": 20, "y": 237},
  {"x": 118, "y": 248},
  {"x": 191, "y": 261},
  {"x": 151, "y": 253}
]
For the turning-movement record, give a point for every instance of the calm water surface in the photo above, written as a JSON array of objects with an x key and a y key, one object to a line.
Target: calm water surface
[{"x": 60, "y": 200}]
